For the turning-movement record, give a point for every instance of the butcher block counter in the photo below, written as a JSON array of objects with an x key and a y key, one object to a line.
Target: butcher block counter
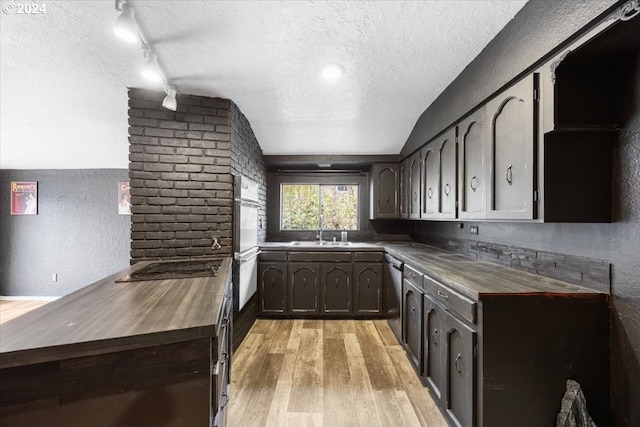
[{"x": 118, "y": 352}]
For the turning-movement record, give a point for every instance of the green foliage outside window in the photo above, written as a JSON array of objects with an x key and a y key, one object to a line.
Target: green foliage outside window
[{"x": 304, "y": 206}]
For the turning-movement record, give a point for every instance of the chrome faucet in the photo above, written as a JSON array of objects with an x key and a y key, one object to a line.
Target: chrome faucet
[{"x": 319, "y": 235}]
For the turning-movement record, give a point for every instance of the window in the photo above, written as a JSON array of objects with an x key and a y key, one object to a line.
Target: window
[{"x": 313, "y": 206}]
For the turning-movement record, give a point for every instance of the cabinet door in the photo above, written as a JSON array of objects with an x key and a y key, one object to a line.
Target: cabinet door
[
  {"x": 472, "y": 141},
  {"x": 447, "y": 155},
  {"x": 336, "y": 288},
  {"x": 404, "y": 189},
  {"x": 434, "y": 347},
  {"x": 429, "y": 158},
  {"x": 461, "y": 372},
  {"x": 511, "y": 152},
  {"x": 386, "y": 185},
  {"x": 272, "y": 277},
  {"x": 368, "y": 288},
  {"x": 414, "y": 186},
  {"x": 412, "y": 321},
  {"x": 304, "y": 287}
]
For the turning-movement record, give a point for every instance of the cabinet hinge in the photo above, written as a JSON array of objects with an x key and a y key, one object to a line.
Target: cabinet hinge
[
  {"x": 536, "y": 95},
  {"x": 475, "y": 350},
  {"x": 535, "y": 195}
]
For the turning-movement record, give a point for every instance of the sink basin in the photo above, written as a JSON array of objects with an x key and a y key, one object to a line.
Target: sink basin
[{"x": 313, "y": 243}]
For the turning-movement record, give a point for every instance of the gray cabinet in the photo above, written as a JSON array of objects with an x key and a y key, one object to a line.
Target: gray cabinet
[
  {"x": 336, "y": 288},
  {"x": 429, "y": 159},
  {"x": 472, "y": 142},
  {"x": 447, "y": 167},
  {"x": 511, "y": 152},
  {"x": 304, "y": 287},
  {"x": 368, "y": 288},
  {"x": 415, "y": 182},
  {"x": 385, "y": 191}
]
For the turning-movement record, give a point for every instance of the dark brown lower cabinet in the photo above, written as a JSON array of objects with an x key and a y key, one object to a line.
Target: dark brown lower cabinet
[
  {"x": 368, "y": 288},
  {"x": 336, "y": 288},
  {"x": 434, "y": 341},
  {"x": 412, "y": 318},
  {"x": 460, "y": 370},
  {"x": 272, "y": 287},
  {"x": 304, "y": 287}
]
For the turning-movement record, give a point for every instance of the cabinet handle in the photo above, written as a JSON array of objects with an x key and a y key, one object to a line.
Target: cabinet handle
[
  {"x": 458, "y": 363},
  {"x": 386, "y": 197},
  {"x": 226, "y": 400},
  {"x": 368, "y": 283},
  {"x": 304, "y": 281},
  {"x": 509, "y": 175},
  {"x": 224, "y": 323},
  {"x": 273, "y": 282},
  {"x": 429, "y": 192},
  {"x": 412, "y": 313},
  {"x": 415, "y": 196},
  {"x": 443, "y": 295},
  {"x": 224, "y": 357},
  {"x": 434, "y": 337},
  {"x": 336, "y": 283},
  {"x": 447, "y": 189},
  {"x": 474, "y": 183}
]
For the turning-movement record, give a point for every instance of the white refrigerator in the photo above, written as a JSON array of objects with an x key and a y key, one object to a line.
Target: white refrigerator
[{"x": 245, "y": 240}]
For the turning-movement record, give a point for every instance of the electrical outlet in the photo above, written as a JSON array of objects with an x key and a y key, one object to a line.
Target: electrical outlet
[
  {"x": 473, "y": 229},
  {"x": 54, "y": 277}
]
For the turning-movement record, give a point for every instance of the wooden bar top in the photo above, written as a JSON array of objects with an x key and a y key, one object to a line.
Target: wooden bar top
[
  {"x": 474, "y": 278},
  {"x": 110, "y": 316}
]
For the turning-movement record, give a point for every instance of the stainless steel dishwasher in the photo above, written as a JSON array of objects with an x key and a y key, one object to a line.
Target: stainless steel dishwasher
[{"x": 393, "y": 294}]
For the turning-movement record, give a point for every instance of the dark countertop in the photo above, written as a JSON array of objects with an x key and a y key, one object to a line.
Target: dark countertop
[
  {"x": 470, "y": 277},
  {"x": 474, "y": 278},
  {"x": 108, "y": 316}
]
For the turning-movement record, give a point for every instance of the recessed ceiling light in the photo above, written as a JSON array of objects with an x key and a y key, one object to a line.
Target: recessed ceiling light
[{"x": 332, "y": 71}]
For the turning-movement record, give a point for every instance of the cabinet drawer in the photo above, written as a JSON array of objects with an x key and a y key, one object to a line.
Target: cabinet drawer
[
  {"x": 330, "y": 256},
  {"x": 273, "y": 256},
  {"x": 455, "y": 302},
  {"x": 413, "y": 276},
  {"x": 368, "y": 256}
]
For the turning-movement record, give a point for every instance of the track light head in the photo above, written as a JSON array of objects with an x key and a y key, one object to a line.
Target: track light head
[
  {"x": 126, "y": 27},
  {"x": 170, "y": 102},
  {"x": 151, "y": 69}
]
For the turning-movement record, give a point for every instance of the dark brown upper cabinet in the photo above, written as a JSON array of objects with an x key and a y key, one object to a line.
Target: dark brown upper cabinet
[
  {"x": 472, "y": 142},
  {"x": 511, "y": 152},
  {"x": 429, "y": 159},
  {"x": 414, "y": 187},
  {"x": 447, "y": 179},
  {"x": 385, "y": 191},
  {"x": 404, "y": 189}
]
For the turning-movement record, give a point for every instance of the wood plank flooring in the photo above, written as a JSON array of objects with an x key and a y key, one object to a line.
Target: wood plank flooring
[
  {"x": 10, "y": 309},
  {"x": 326, "y": 373}
]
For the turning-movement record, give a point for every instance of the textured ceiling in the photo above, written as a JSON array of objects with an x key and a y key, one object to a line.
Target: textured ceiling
[{"x": 64, "y": 74}]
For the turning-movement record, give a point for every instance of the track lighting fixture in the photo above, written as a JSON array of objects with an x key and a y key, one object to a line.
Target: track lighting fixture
[
  {"x": 126, "y": 27},
  {"x": 170, "y": 102},
  {"x": 151, "y": 70}
]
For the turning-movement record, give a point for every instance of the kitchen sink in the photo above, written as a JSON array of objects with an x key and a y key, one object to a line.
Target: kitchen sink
[{"x": 162, "y": 270}]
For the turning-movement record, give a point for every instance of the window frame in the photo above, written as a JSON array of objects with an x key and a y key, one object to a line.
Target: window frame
[{"x": 276, "y": 178}]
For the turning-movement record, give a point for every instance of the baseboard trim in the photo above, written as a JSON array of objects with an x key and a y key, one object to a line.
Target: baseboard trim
[{"x": 27, "y": 298}]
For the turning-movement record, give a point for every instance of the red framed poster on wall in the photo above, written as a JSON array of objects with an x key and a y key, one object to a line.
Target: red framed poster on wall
[{"x": 24, "y": 198}]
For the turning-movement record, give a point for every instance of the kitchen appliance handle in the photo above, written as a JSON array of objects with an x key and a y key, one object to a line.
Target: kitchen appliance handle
[{"x": 249, "y": 258}]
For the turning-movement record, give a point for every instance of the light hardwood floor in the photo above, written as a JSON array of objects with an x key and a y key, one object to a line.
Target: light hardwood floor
[
  {"x": 326, "y": 373},
  {"x": 10, "y": 309}
]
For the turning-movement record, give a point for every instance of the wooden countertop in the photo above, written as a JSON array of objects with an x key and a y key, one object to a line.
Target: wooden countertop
[
  {"x": 476, "y": 279},
  {"x": 314, "y": 245},
  {"x": 108, "y": 316}
]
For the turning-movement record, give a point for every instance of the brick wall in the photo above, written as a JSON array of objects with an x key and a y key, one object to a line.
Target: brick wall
[{"x": 180, "y": 174}]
